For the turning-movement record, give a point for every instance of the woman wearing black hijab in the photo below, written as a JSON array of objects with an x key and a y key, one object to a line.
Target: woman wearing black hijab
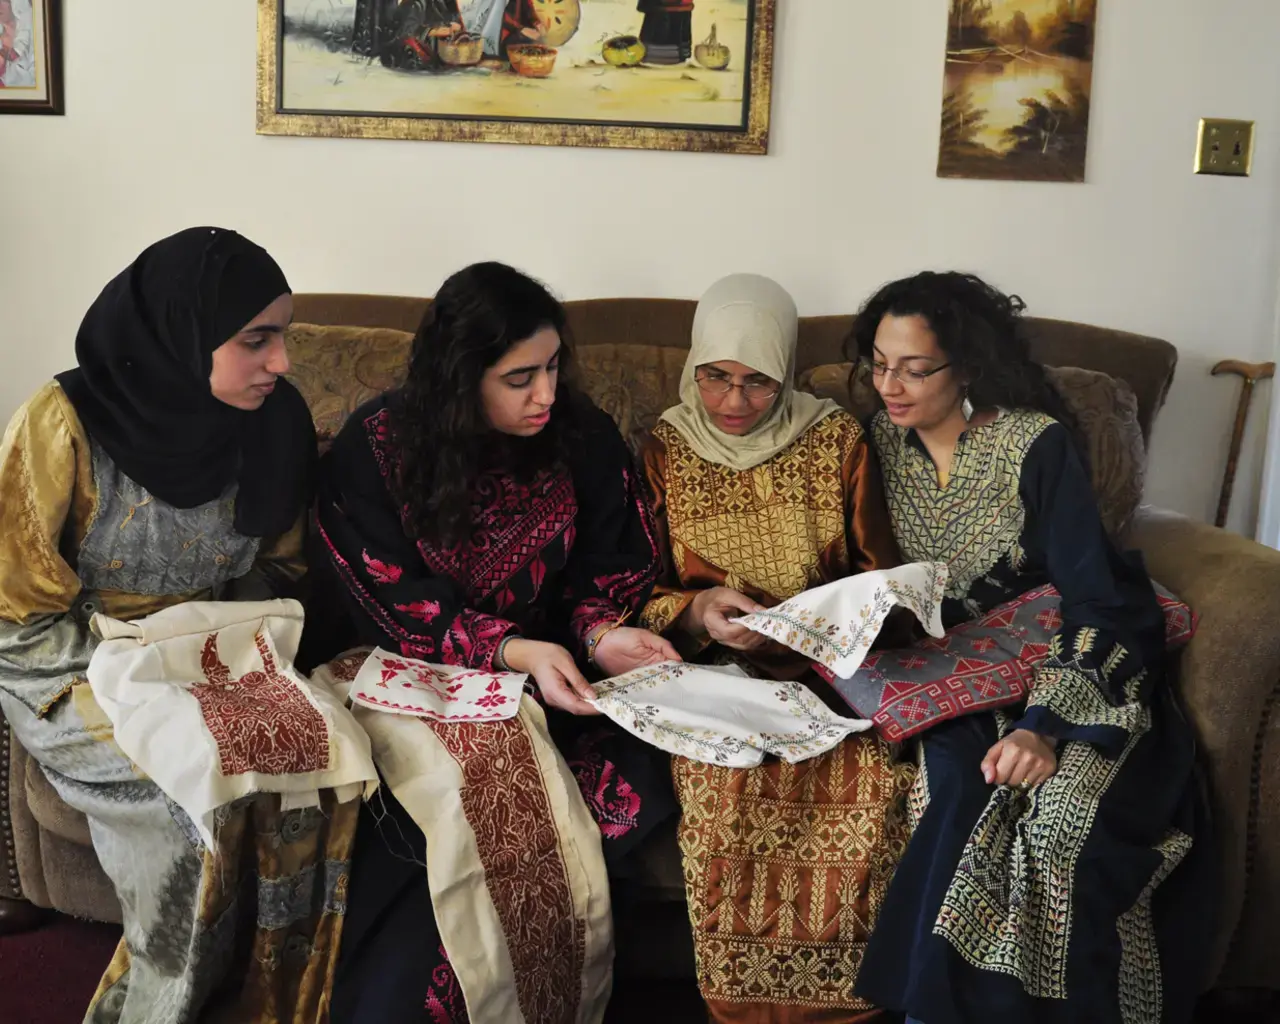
[{"x": 173, "y": 464}]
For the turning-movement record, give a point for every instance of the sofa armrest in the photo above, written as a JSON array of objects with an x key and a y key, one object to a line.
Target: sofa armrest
[
  {"x": 10, "y": 885},
  {"x": 1229, "y": 680}
]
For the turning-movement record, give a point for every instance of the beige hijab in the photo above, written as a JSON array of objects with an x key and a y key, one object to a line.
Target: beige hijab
[{"x": 751, "y": 320}]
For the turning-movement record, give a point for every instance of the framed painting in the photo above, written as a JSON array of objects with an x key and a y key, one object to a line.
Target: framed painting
[
  {"x": 31, "y": 57},
  {"x": 1017, "y": 89},
  {"x": 637, "y": 74}
]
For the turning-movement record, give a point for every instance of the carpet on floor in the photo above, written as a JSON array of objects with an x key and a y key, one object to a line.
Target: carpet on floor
[{"x": 48, "y": 977}]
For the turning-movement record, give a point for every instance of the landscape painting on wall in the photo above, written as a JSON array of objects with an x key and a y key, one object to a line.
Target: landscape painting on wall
[
  {"x": 1016, "y": 90},
  {"x": 652, "y": 74}
]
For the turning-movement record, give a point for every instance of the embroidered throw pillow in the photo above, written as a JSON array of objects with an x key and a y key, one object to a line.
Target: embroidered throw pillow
[{"x": 981, "y": 665}]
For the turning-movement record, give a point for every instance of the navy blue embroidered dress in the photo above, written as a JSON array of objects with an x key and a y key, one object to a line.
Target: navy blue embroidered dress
[{"x": 1089, "y": 897}]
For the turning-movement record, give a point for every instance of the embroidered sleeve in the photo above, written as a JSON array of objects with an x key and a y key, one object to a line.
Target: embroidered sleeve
[
  {"x": 669, "y": 599},
  {"x": 396, "y": 601},
  {"x": 39, "y": 464},
  {"x": 614, "y": 560},
  {"x": 1094, "y": 684},
  {"x": 44, "y": 465}
]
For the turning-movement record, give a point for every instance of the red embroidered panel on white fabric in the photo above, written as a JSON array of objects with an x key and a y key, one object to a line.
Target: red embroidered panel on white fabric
[
  {"x": 506, "y": 804},
  {"x": 261, "y": 722}
]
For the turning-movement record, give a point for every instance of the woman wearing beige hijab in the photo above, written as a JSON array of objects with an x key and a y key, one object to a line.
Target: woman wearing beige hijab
[{"x": 761, "y": 492}]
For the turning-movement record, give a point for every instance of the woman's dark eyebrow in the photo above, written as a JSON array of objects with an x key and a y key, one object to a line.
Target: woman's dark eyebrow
[
  {"x": 530, "y": 369},
  {"x": 905, "y": 358},
  {"x": 264, "y": 329}
]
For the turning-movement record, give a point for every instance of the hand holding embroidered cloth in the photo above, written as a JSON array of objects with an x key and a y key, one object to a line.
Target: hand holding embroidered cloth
[
  {"x": 204, "y": 699},
  {"x": 836, "y": 624}
]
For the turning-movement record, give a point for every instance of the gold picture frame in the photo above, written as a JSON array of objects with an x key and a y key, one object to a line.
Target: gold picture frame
[
  {"x": 1017, "y": 90},
  {"x": 315, "y": 56}
]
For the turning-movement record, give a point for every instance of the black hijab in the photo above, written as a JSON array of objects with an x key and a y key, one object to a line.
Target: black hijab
[{"x": 142, "y": 391}]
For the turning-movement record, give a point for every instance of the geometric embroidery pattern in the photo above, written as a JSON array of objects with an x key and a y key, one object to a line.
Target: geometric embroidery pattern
[
  {"x": 978, "y": 517},
  {"x": 511, "y": 521},
  {"x": 786, "y": 868},
  {"x": 1009, "y": 907},
  {"x": 261, "y": 722},
  {"x": 1141, "y": 987},
  {"x": 770, "y": 523}
]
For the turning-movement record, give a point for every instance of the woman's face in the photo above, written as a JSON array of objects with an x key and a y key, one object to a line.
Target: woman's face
[
  {"x": 735, "y": 396},
  {"x": 519, "y": 390},
  {"x": 912, "y": 373},
  {"x": 245, "y": 368}
]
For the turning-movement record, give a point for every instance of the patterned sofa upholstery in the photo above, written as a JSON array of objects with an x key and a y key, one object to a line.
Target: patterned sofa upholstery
[{"x": 630, "y": 352}]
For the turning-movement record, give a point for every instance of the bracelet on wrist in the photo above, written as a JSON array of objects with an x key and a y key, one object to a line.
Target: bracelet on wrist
[
  {"x": 499, "y": 656},
  {"x": 600, "y": 633}
]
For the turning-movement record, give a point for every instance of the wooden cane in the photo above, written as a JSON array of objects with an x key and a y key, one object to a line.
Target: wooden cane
[{"x": 1250, "y": 374}]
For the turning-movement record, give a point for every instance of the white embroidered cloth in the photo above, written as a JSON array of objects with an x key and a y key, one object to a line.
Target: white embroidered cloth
[
  {"x": 446, "y": 693},
  {"x": 720, "y": 716},
  {"x": 836, "y": 624},
  {"x": 204, "y": 699},
  {"x": 514, "y": 861}
]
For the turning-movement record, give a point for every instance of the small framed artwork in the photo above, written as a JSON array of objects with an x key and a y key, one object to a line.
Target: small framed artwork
[
  {"x": 1017, "y": 89},
  {"x": 31, "y": 57},
  {"x": 638, "y": 74}
]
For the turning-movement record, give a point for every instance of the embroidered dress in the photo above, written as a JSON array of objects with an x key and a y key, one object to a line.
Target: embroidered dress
[
  {"x": 551, "y": 556},
  {"x": 1088, "y": 898},
  {"x": 78, "y": 536},
  {"x": 786, "y": 865}
]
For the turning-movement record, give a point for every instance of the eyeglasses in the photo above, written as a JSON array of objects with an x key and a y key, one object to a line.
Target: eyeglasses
[
  {"x": 755, "y": 391},
  {"x": 899, "y": 374}
]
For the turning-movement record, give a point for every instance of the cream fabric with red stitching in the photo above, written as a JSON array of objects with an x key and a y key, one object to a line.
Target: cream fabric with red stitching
[{"x": 204, "y": 699}]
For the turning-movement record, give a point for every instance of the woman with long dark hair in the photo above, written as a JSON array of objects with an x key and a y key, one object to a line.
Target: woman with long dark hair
[
  {"x": 487, "y": 515},
  {"x": 1059, "y": 869}
]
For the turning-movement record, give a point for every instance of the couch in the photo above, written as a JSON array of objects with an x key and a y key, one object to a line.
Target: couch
[{"x": 630, "y": 352}]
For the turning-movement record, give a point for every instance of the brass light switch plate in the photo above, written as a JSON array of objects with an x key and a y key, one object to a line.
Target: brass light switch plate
[{"x": 1224, "y": 146}]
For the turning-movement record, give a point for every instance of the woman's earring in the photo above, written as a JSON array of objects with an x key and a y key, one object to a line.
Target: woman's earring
[{"x": 966, "y": 408}]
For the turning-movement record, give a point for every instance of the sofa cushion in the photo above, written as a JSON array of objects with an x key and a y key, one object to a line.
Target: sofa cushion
[
  {"x": 339, "y": 368},
  {"x": 1105, "y": 407},
  {"x": 49, "y": 810},
  {"x": 634, "y": 384},
  {"x": 980, "y": 665},
  {"x": 1107, "y": 411}
]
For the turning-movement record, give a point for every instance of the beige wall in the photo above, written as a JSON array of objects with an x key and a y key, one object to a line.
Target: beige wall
[{"x": 159, "y": 135}]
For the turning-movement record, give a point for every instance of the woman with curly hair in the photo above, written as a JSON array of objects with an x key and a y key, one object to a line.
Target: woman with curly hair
[
  {"x": 1060, "y": 868},
  {"x": 487, "y": 515}
]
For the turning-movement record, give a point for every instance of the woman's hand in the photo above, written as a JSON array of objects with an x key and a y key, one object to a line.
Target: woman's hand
[
  {"x": 710, "y": 613},
  {"x": 552, "y": 668},
  {"x": 1023, "y": 758},
  {"x": 625, "y": 648}
]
